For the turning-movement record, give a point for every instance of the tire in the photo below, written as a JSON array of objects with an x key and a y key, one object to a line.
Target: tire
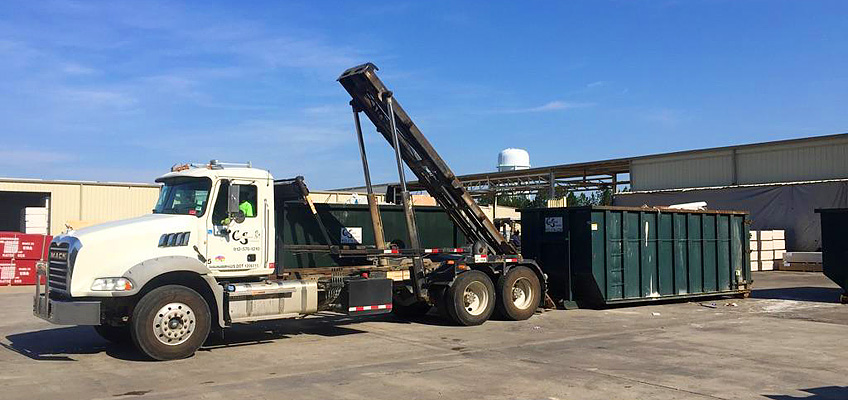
[
  {"x": 170, "y": 322},
  {"x": 519, "y": 294},
  {"x": 470, "y": 299},
  {"x": 413, "y": 310},
  {"x": 114, "y": 334},
  {"x": 438, "y": 296}
]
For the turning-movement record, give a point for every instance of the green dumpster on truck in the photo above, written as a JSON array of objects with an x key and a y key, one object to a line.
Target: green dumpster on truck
[
  {"x": 599, "y": 255},
  {"x": 350, "y": 224}
]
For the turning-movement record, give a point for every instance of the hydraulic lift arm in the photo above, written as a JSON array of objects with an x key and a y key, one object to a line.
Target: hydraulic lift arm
[{"x": 373, "y": 98}]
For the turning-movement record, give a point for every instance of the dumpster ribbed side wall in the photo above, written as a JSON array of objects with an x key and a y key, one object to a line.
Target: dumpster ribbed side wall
[
  {"x": 297, "y": 226},
  {"x": 620, "y": 255}
]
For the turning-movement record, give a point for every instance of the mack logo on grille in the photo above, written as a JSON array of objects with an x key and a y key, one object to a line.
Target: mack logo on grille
[{"x": 58, "y": 255}]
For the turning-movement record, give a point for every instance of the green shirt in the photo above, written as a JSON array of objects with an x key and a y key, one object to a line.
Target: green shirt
[{"x": 246, "y": 208}]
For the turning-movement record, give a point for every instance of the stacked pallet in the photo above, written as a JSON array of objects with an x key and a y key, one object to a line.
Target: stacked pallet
[
  {"x": 20, "y": 255},
  {"x": 34, "y": 220},
  {"x": 809, "y": 261},
  {"x": 767, "y": 249}
]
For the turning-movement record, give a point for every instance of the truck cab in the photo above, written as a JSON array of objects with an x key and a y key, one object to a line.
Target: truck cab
[
  {"x": 228, "y": 210},
  {"x": 212, "y": 229}
]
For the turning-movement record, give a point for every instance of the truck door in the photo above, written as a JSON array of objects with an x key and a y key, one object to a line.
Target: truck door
[{"x": 233, "y": 245}]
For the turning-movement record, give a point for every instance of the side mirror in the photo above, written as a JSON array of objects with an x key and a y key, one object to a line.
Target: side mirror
[{"x": 233, "y": 201}]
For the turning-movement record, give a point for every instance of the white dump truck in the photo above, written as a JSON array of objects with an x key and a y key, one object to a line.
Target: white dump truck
[{"x": 205, "y": 258}]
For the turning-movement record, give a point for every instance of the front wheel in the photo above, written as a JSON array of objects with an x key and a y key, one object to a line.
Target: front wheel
[
  {"x": 170, "y": 322},
  {"x": 470, "y": 299},
  {"x": 519, "y": 294}
]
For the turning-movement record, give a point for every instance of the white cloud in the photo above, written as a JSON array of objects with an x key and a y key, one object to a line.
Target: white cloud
[
  {"x": 159, "y": 83},
  {"x": 315, "y": 134},
  {"x": 665, "y": 116},
  {"x": 597, "y": 84},
  {"x": 77, "y": 69},
  {"x": 17, "y": 54},
  {"x": 15, "y": 157},
  {"x": 556, "y": 105},
  {"x": 294, "y": 52},
  {"x": 329, "y": 109},
  {"x": 97, "y": 98}
]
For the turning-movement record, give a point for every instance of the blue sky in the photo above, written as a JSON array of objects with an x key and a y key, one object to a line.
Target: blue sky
[{"x": 123, "y": 90}]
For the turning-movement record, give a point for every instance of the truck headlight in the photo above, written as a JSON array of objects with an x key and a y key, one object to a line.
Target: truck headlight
[{"x": 112, "y": 284}]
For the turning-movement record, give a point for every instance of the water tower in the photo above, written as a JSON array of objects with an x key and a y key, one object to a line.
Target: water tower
[{"x": 513, "y": 159}]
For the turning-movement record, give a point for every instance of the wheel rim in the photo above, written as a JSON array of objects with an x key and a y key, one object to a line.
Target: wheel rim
[
  {"x": 522, "y": 293},
  {"x": 173, "y": 324},
  {"x": 475, "y": 299}
]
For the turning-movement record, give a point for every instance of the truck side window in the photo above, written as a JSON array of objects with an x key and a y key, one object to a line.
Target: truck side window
[{"x": 247, "y": 200}]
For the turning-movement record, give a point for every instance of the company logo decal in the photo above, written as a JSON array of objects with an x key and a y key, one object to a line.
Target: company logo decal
[
  {"x": 243, "y": 237},
  {"x": 220, "y": 258}
]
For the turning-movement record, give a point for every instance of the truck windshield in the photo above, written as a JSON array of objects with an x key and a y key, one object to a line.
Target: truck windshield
[{"x": 185, "y": 196}]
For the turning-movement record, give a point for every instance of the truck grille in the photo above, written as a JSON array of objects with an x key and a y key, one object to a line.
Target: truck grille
[{"x": 57, "y": 275}]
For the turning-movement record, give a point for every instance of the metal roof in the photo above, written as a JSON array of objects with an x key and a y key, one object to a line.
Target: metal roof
[
  {"x": 592, "y": 175},
  {"x": 74, "y": 182}
]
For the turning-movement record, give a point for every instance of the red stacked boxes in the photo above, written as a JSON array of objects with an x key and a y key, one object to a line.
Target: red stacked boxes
[{"x": 19, "y": 254}]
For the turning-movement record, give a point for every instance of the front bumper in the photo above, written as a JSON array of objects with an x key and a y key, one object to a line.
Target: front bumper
[
  {"x": 63, "y": 312},
  {"x": 67, "y": 312}
]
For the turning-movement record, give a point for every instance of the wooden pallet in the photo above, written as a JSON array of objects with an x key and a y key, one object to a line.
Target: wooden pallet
[{"x": 801, "y": 266}]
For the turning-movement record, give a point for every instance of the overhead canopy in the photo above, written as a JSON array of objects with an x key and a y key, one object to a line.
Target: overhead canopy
[{"x": 594, "y": 175}]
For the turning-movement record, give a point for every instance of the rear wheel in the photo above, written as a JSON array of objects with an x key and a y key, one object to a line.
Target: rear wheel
[
  {"x": 519, "y": 294},
  {"x": 170, "y": 322},
  {"x": 470, "y": 299},
  {"x": 114, "y": 334}
]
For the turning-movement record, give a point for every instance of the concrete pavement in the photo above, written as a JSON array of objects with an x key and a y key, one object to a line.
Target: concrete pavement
[{"x": 786, "y": 342}]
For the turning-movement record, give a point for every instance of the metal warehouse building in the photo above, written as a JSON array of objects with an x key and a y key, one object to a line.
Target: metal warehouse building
[
  {"x": 800, "y": 160},
  {"x": 780, "y": 183},
  {"x": 73, "y": 203}
]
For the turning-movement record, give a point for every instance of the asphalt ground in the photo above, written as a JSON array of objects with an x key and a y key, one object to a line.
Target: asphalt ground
[{"x": 788, "y": 341}]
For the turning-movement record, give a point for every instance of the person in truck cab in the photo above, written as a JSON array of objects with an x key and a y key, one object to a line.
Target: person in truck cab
[
  {"x": 248, "y": 199},
  {"x": 247, "y": 205}
]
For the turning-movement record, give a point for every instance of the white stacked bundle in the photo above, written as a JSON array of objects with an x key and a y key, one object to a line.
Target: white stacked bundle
[
  {"x": 766, "y": 246},
  {"x": 767, "y": 249},
  {"x": 753, "y": 244},
  {"x": 34, "y": 220},
  {"x": 779, "y": 244}
]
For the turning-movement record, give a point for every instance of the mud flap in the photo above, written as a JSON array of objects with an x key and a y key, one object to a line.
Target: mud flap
[{"x": 367, "y": 296}]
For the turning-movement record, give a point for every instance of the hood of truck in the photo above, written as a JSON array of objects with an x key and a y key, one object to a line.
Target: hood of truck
[{"x": 109, "y": 250}]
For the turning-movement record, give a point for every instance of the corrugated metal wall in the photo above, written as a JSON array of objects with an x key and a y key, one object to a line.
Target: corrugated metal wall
[
  {"x": 808, "y": 160},
  {"x": 89, "y": 201},
  {"x": 818, "y": 160},
  {"x": 713, "y": 168}
]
